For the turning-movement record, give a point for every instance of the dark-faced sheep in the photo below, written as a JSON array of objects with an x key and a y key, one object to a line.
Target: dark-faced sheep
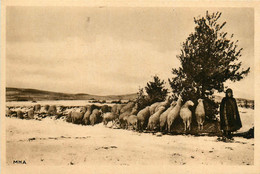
[
  {"x": 186, "y": 115},
  {"x": 200, "y": 114},
  {"x": 174, "y": 113},
  {"x": 153, "y": 123},
  {"x": 142, "y": 118},
  {"x": 132, "y": 122},
  {"x": 94, "y": 117}
]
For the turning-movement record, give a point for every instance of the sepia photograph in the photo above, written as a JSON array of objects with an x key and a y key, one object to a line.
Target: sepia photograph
[{"x": 125, "y": 86}]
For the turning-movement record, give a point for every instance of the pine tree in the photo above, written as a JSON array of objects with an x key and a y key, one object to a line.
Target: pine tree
[
  {"x": 208, "y": 59},
  {"x": 142, "y": 99},
  {"x": 156, "y": 90}
]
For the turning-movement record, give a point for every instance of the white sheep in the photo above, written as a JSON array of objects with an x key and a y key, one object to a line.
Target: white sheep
[
  {"x": 186, "y": 114},
  {"x": 142, "y": 118},
  {"x": 174, "y": 113},
  {"x": 109, "y": 116},
  {"x": 153, "y": 122},
  {"x": 165, "y": 103},
  {"x": 200, "y": 114},
  {"x": 163, "y": 116},
  {"x": 153, "y": 107}
]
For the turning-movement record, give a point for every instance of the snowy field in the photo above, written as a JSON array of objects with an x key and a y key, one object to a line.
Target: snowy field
[{"x": 56, "y": 142}]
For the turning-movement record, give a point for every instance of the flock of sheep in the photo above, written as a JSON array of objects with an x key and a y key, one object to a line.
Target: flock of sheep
[{"x": 159, "y": 116}]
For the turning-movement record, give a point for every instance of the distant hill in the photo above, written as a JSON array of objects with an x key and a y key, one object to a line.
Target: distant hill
[{"x": 23, "y": 94}]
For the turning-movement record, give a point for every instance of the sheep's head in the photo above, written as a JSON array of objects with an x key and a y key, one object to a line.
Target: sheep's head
[
  {"x": 200, "y": 100},
  {"x": 161, "y": 108},
  {"x": 173, "y": 103},
  {"x": 190, "y": 103}
]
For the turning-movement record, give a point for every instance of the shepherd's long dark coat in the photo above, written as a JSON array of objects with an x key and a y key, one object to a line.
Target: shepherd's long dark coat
[{"x": 229, "y": 115}]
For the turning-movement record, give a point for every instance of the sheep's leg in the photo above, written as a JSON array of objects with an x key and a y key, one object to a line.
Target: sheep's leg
[
  {"x": 188, "y": 124},
  {"x": 165, "y": 128},
  {"x": 184, "y": 122},
  {"x": 169, "y": 127},
  {"x": 201, "y": 126}
]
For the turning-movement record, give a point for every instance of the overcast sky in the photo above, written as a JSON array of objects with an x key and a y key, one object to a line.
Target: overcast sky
[{"x": 109, "y": 50}]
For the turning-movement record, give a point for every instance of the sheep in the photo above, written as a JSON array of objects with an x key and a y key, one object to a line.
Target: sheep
[
  {"x": 83, "y": 109},
  {"x": 60, "y": 112},
  {"x": 153, "y": 123},
  {"x": 174, "y": 113},
  {"x": 8, "y": 112},
  {"x": 76, "y": 117},
  {"x": 123, "y": 117},
  {"x": 52, "y": 110},
  {"x": 37, "y": 108},
  {"x": 105, "y": 108},
  {"x": 46, "y": 107},
  {"x": 142, "y": 118},
  {"x": 94, "y": 117},
  {"x": 153, "y": 107},
  {"x": 165, "y": 103},
  {"x": 128, "y": 107},
  {"x": 93, "y": 106},
  {"x": 109, "y": 116},
  {"x": 163, "y": 117},
  {"x": 132, "y": 122},
  {"x": 87, "y": 114},
  {"x": 119, "y": 107},
  {"x": 68, "y": 117},
  {"x": 114, "y": 108},
  {"x": 30, "y": 114},
  {"x": 20, "y": 114},
  {"x": 186, "y": 115},
  {"x": 200, "y": 114}
]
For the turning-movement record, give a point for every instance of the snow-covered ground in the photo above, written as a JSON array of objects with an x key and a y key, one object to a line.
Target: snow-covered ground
[
  {"x": 56, "y": 142},
  {"x": 247, "y": 118}
]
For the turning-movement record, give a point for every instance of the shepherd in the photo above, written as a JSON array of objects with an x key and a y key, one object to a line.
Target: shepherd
[{"x": 229, "y": 115}]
